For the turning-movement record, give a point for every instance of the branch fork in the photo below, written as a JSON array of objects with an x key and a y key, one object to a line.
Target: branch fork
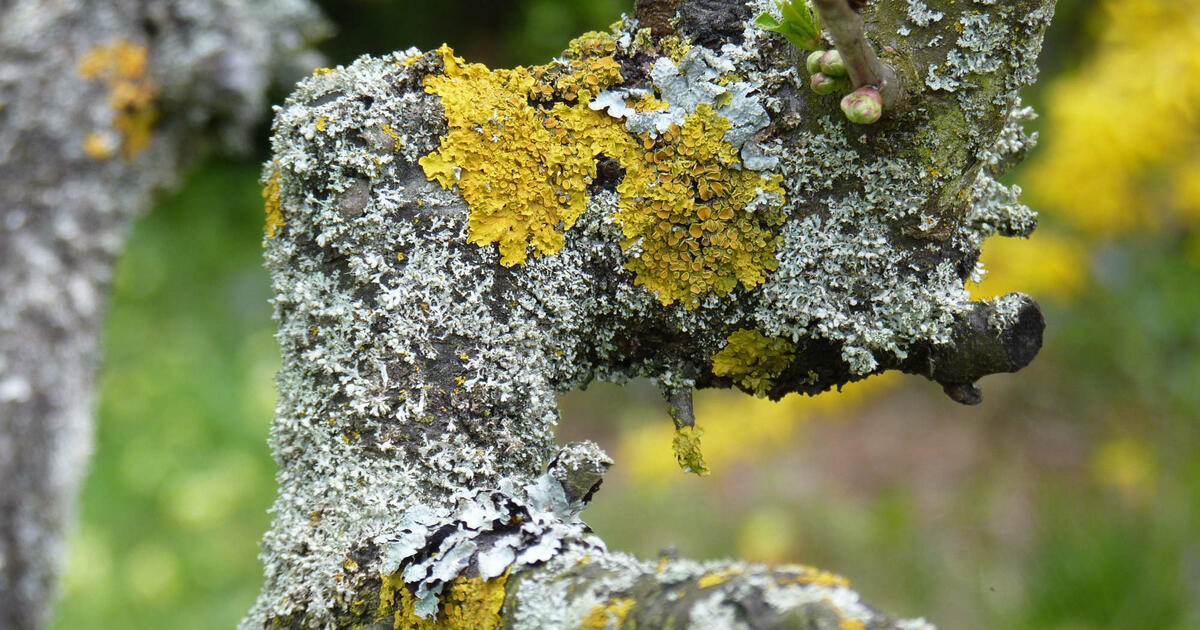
[{"x": 863, "y": 66}]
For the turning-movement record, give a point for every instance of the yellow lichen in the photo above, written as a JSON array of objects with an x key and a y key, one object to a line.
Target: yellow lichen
[
  {"x": 131, "y": 92},
  {"x": 98, "y": 146},
  {"x": 321, "y": 123},
  {"x": 271, "y": 202},
  {"x": 520, "y": 156},
  {"x": 393, "y": 135},
  {"x": 812, "y": 575},
  {"x": 465, "y": 604},
  {"x": 686, "y": 445},
  {"x": 688, "y": 211},
  {"x": 610, "y": 614},
  {"x": 674, "y": 47},
  {"x": 753, "y": 360},
  {"x": 709, "y": 580},
  {"x": 522, "y": 148}
]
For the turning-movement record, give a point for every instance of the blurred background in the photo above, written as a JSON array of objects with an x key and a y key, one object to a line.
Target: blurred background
[{"x": 1069, "y": 500}]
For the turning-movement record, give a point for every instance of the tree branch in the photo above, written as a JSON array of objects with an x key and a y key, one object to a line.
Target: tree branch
[
  {"x": 454, "y": 247},
  {"x": 101, "y": 103}
]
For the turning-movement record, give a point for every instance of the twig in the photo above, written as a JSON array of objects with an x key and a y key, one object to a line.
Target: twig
[{"x": 862, "y": 64}]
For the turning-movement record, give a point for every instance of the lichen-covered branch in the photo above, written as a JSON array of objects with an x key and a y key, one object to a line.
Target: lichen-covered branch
[
  {"x": 454, "y": 246},
  {"x": 101, "y": 103}
]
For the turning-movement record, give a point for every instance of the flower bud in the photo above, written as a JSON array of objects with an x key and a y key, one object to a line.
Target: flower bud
[
  {"x": 813, "y": 63},
  {"x": 831, "y": 64},
  {"x": 825, "y": 84},
  {"x": 863, "y": 106}
]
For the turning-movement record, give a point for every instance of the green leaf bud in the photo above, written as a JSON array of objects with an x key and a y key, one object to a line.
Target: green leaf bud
[
  {"x": 825, "y": 84},
  {"x": 831, "y": 64},
  {"x": 813, "y": 63}
]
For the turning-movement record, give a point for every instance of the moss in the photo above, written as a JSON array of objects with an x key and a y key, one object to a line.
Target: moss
[
  {"x": 686, "y": 445},
  {"x": 610, "y": 614},
  {"x": 753, "y": 360},
  {"x": 131, "y": 92}
]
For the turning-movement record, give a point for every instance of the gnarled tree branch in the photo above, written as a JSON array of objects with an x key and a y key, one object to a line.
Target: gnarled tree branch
[{"x": 453, "y": 247}]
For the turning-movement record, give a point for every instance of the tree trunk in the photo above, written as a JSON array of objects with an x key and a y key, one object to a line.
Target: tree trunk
[
  {"x": 453, "y": 247},
  {"x": 101, "y": 104}
]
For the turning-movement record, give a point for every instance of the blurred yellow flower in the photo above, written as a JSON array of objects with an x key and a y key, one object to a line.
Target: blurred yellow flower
[
  {"x": 736, "y": 426},
  {"x": 1046, "y": 265},
  {"x": 1119, "y": 125},
  {"x": 767, "y": 535},
  {"x": 1128, "y": 466}
]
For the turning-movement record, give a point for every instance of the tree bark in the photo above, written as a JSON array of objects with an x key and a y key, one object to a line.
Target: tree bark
[
  {"x": 453, "y": 247},
  {"x": 101, "y": 105}
]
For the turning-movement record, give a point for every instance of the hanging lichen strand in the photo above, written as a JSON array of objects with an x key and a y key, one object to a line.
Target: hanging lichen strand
[{"x": 522, "y": 149}]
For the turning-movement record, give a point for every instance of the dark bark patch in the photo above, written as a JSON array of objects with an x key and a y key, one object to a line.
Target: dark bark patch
[{"x": 712, "y": 23}]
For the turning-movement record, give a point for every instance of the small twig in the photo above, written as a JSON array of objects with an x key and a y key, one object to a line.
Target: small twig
[
  {"x": 863, "y": 66},
  {"x": 680, "y": 401}
]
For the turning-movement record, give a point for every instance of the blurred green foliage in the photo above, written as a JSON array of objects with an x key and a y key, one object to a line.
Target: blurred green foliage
[{"x": 1070, "y": 500}]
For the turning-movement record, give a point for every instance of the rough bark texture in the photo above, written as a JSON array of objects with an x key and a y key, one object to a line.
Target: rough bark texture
[
  {"x": 453, "y": 247},
  {"x": 101, "y": 104}
]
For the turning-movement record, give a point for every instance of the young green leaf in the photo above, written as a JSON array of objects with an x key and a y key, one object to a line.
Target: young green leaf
[{"x": 801, "y": 26}]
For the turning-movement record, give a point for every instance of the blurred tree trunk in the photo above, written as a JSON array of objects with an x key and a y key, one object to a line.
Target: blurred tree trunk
[
  {"x": 102, "y": 104},
  {"x": 420, "y": 484}
]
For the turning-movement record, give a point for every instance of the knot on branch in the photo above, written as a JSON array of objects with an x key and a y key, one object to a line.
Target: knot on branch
[{"x": 1000, "y": 335}]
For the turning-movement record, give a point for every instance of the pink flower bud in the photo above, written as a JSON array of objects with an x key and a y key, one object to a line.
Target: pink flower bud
[{"x": 863, "y": 106}]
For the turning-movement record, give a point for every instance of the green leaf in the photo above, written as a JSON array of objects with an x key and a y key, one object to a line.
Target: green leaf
[
  {"x": 768, "y": 22},
  {"x": 792, "y": 14},
  {"x": 801, "y": 26}
]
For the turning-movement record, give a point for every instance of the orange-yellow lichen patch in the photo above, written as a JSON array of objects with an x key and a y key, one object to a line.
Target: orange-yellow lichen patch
[
  {"x": 690, "y": 213},
  {"x": 520, "y": 153},
  {"x": 131, "y": 92},
  {"x": 709, "y": 580},
  {"x": 393, "y": 135},
  {"x": 812, "y": 575},
  {"x": 271, "y": 202},
  {"x": 99, "y": 146},
  {"x": 466, "y": 604},
  {"x": 686, "y": 445},
  {"x": 522, "y": 147},
  {"x": 610, "y": 614},
  {"x": 753, "y": 360},
  {"x": 851, "y": 624},
  {"x": 674, "y": 47}
]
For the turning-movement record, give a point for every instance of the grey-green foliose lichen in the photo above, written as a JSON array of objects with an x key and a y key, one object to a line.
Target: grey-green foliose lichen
[{"x": 421, "y": 368}]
